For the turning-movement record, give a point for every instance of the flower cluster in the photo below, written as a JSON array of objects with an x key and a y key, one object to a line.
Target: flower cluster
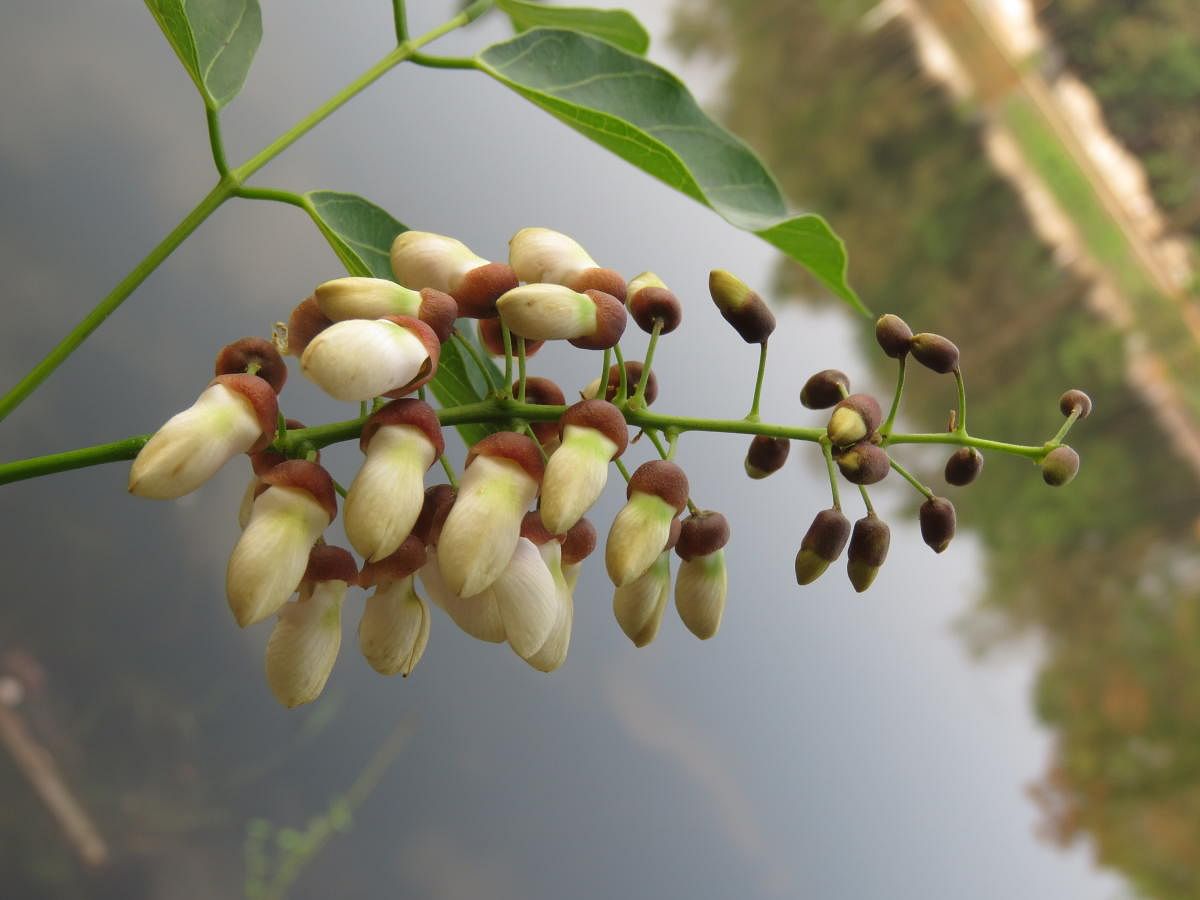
[{"x": 499, "y": 549}]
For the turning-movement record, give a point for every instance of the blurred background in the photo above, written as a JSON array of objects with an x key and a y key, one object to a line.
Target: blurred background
[{"x": 1019, "y": 717}]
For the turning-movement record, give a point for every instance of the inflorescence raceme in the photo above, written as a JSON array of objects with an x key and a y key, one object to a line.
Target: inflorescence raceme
[{"x": 500, "y": 548}]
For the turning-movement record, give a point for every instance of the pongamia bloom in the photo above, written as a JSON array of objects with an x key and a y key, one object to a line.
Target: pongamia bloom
[
  {"x": 422, "y": 259},
  {"x": 354, "y": 297},
  {"x": 593, "y": 434},
  {"x": 502, "y": 477},
  {"x": 527, "y": 598},
  {"x": 701, "y": 586},
  {"x": 360, "y": 359},
  {"x": 553, "y": 652},
  {"x": 234, "y": 414},
  {"x": 394, "y": 628},
  {"x": 657, "y": 493},
  {"x": 638, "y": 605},
  {"x": 272, "y": 553},
  {"x": 401, "y": 441},
  {"x": 550, "y": 312},
  {"x": 477, "y": 615},
  {"x": 547, "y": 256}
]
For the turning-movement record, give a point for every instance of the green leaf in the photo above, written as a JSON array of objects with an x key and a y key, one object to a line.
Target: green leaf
[
  {"x": 646, "y": 116},
  {"x": 214, "y": 39},
  {"x": 361, "y": 235},
  {"x": 617, "y": 26}
]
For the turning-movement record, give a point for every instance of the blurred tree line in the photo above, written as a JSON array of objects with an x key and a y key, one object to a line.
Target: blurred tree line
[{"x": 1104, "y": 572}]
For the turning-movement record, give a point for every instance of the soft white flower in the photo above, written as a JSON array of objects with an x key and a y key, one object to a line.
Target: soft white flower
[
  {"x": 547, "y": 312},
  {"x": 553, "y": 652},
  {"x": 700, "y": 590},
  {"x": 637, "y": 536},
  {"x": 394, "y": 628},
  {"x": 527, "y": 598},
  {"x": 593, "y": 433},
  {"x": 639, "y": 605},
  {"x": 543, "y": 255},
  {"x": 422, "y": 259},
  {"x": 304, "y": 644},
  {"x": 478, "y": 615},
  {"x": 360, "y": 359},
  {"x": 386, "y": 495},
  {"x": 354, "y": 297}
]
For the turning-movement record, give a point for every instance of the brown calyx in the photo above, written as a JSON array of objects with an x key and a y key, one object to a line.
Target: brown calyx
[
  {"x": 534, "y": 530},
  {"x": 611, "y": 319},
  {"x": 579, "y": 542},
  {"x": 673, "y": 537},
  {"x": 409, "y": 557},
  {"x": 601, "y": 416},
  {"x": 304, "y": 324},
  {"x": 864, "y": 463},
  {"x": 598, "y": 279},
  {"x": 866, "y": 406},
  {"x": 493, "y": 341},
  {"x": 767, "y": 454},
  {"x": 752, "y": 319},
  {"x": 543, "y": 392},
  {"x": 305, "y": 476},
  {"x": 410, "y": 411},
  {"x": 438, "y": 310},
  {"x": 633, "y": 374},
  {"x": 663, "y": 479},
  {"x": 479, "y": 289},
  {"x": 702, "y": 534},
  {"x": 827, "y": 535},
  {"x": 656, "y": 303},
  {"x": 433, "y": 349},
  {"x": 326, "y": 563},
  {"x": 262, "y": 398},
  {"x": 438, "y": 500},
  {"x": 519, "y": 448},
  {"x": 235, "y": 358}
]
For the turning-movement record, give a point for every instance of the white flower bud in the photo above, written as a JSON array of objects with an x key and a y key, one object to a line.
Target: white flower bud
[
  {"x": 700, "y": 590},
  {"x": 639, "y": 605},
  {"x": 547, "y": 312},
  {"x": 422, "y": 259},
  {"x": 575, "y": 476},
  {"x": 386, "y": 495},
  {"x": 272, "y": 553},
  {"x": 304, "y": 644},
  {"x": 638, "y": 535},
  {"x": 394, "y": 628},
  {"x": 361, "y": 359},
  {"x": 543, "y": 255},
  {"x": 247, "y": 504},
  {"x": 527, "y": 597},
  {"x": 193, "y": 444},
  {"x": 553, "y": 652},
  {"x": 478, "y": 616},
  {"x": 365, "y": 298}
]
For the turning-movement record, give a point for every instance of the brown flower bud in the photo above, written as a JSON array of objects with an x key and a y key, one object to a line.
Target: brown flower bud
[
  {"x": 610, "y": 322},
  {"x": 864, "y": 463},
  {"x": 438, "y": 500},
  {"x": 1060, "y": 466},
  {"x": 822, "y": 544},
  {"x": 1075, "y": 399},
  {"x": 766, "y": 455},
  {"x": 937, "y": 523},
  {"x": 824, "y": 389},
  {"x": 237, "y": 357},
  {"x": 741, "y": 307},
  {"x": 893, "y": 335},
  {"x": 304, "y": 324},
  {"x": 701, "y": 534},
  {"x": 649, "y": 300},
  {"x": 480, "y": 288},
  {"x": 934, "y": 352},
  {"x": 579, "y": 542},
  {"x": 493, "y": 341},
  {"x": 853, "y": 419},
  {"x": 543, "y": 392},
  {"x": 633, "y": 374},
  {"x": 963, "y": 466},
  {"x": 868, "y": 549},
  {"x": 438, "y": 310},
  {"x": 407, "y": 559}
]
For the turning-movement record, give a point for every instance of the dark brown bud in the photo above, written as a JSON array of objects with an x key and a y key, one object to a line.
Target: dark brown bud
[
  {"x": 328, "y": 563},
  {"x": 824, "y": 389},
  {"x": 480, "y": 288},
  {"x": 1060, "y": 466},
  {"x": 937, "y": 523},
  {"x": 1075, "y": 399},
  {"x": 741, "y": 307},
  {"x": 492, "y": 340},
  {"x": 579, "y": 543},
  {"x": 963, "y": 466},
  {"x": 610, "y": 321},
  {"x": 406, "y": 559},
  {"x": 663, "y": 479},
  {"x": 702, "y": 534},
  {"x": 822, "y": 544},
  {"x": 633, "y": 374},
  {"x": 894, "y": 335},
  {"x": 438, "y": 311},
  {"x": 853, "y": 419},
  {"x": 651, "y": 304},
  {"x": 766, "y": 455},
  {"x": 934, "y": 352},
  {"x": 533, "y": 529},
  {"x": 868, "y": 549},
  {"x": 239, "y": 356},
  {"x": 438, "y": 500},
  {"x": 411, "y": 411},
  {"x": 304, "y": 324},
  {"x": 543, "y": 392},
  {"x": 864, "y": 463},
  {"x": 601, "y": 416},
  {"x": 599, "y": 279}
]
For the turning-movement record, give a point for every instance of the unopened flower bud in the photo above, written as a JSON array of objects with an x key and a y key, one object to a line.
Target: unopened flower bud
[
  {"x": 540, "y": 255},
  {"x": 478, "y": 616},
  {"x": 703, "y": 582},
  {"x": 650, "y": 301},
  {"x": 527, "y": 598},
  {"x": 296, "y": 504},
  {"x": 639, "y": 605},
  {"x": 657, "y": 493},
  {"x": 421, "y": 259},
  {"x": 853, "y": 419},
  {"x": 360, "y": 359},
  {"x": 864, "y": 463},
  {"x": 937, "y": 523},
  {"x": 822, "y": 544},
  {"x": 544, "y": 392},
  {"x": 549, "y": 312},
  {"x": 579, "y": 542},
  {"x": 1075, "y": 399},
  {"x": 503, "y": 474},
  {"x": 963, "y": 466},
  {"x": 304, "y": 324},
  {"x": 353, "y": 297},
  {"x": 825, "y": 389},
  {"x": 234, "y": 414},
  {"x": 394, "y": 628},
  {"x": 868, "y": 550},
  {"x": 1060, "y": 466},
  {"x": 594, "y": 433},
  {"x": 553, "y": 652},
  {"x": 741, "y": 307},
  {"x": 633, "y": 375},
  {"x": 401, "y": 441},
  {"x": 893, "y": 335},
  {"x": 493, "y": 341},
  {"x": 305, "y": 641},
  {"x": 934, "y": 352},
  {"x": 766, "y": 455},
  {"x": 253, "y": 352}
]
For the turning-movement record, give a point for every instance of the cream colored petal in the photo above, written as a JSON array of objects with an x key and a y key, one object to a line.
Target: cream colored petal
[
  {"x": 553, "y": 653},
  {"x": 637, "y": 537},
  {"x": 482, "y": 528},
  {"x": 271, "y": 555},
  {"x": 543, "y": 255},
  {"x": 700, "y": 590},
  {"x": 639, "y": 605},
  {"x": 422, "y": 259},
  {"x": 547, "y": 312},
  {"x": 571, "y": 573},
  {"x": 386, "y": 495},
  {"x": 365, "y": 298},
  {"x": 193, "y": 444},
  {"x": 478, "y": 616},
  {"x": 527, "y": 598},
  {"x": 360, "y": 359},
  {"x": 304, "y": 644},
  {"x": 247, "y": 504},
  {"x": 575, "y": 477},
  {"x": 394, "y": 628}
]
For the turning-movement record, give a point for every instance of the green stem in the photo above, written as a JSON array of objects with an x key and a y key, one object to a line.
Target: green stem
[
  {"x": 215, "y": 142},
  {"x": 758, "y": 382},
  {"x": 275, "y": 195},
  {"x": 621, "y": 468},
  {"x": 448, "y": 468},
  {"x": 478, "y": 360},
  {"x": 400, "y": 17},
  {"x": 911, "y": 479},
  {"x": 521, "y": 371},
  {"x": 886, "y": 430},
  {"x": 639, "y": 394},
  {"x": 1062, "y": 432},
  {"x": 623, "y": 378},
  {"x": 827, "y": 452},
  {"x": 506, "y": 336},
  {"x": 602, "y": 391},
  {"x": 961, "y": 425},
  {"x": 866, "y": 499},
  {"x": 445, "y": 62}
]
